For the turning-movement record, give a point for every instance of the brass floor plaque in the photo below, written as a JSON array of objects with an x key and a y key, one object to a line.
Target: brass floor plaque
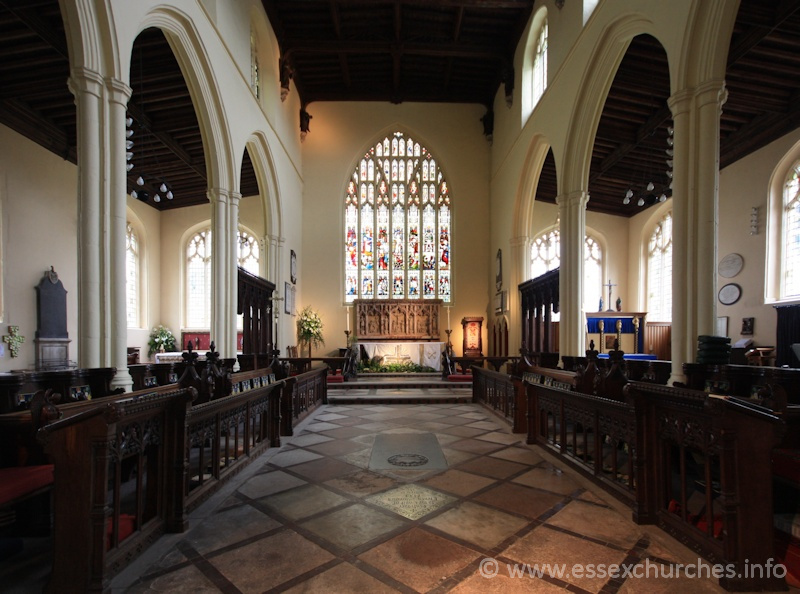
[
  {"x": 407, "y": 451},
  {"x": 411, "y": 501}
]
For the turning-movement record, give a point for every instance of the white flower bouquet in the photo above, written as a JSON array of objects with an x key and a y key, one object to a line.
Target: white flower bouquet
[
  {"x": 309, "y": 328},
  {"x": 161, "y": 339}
]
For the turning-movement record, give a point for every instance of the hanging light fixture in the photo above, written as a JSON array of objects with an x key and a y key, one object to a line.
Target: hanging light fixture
[
  {"x": 145, "y": 180},
  {"x": 650, "y": 195}
]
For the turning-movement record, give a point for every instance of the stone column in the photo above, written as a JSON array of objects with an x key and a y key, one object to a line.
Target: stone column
[
  {"x": 220, "y": 264},
  {"x": 572, "y": 214},
  {"x": 695, "y": 192},
  {"x": 520, "y": 272},
  {"x": 231, "y": 343},
  {"x": 118, "y": 95},
  {"x": 87, "y": 87}
]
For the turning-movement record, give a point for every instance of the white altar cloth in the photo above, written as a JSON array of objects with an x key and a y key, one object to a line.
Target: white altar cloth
[{"x": 428, "y": 354}]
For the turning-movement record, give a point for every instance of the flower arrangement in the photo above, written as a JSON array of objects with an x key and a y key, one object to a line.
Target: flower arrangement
[
  {"x": 161, "y": 339},
  {"x": 309, "y": 328}
]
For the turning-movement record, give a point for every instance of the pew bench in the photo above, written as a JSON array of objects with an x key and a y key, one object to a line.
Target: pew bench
[{"x": 26, "y": 475}]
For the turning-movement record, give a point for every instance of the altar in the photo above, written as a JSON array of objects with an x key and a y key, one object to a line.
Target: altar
[
  {"x": 605, "y": 327},
  {"x": 428, "y": 354}
]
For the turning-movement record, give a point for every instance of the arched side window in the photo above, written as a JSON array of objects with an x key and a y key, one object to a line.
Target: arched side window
[
  {"x": 132, "y": 278},
  {"x": 198, "y": 273},
  {"x": 255, "y": 81},
  {"x": 546, "y": 255},
  {"x": 198, "y": 280},
  {"x": 659, "y": 272},
  {"x": 790, "y": 241},
  {"x": 539, "y": 78},
  {"x": 248, "y": 256},
  {"x": 397, "y": 225}
]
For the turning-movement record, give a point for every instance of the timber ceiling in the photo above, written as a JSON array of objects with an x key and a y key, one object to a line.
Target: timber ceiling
[{"x": 453, "y": 51}]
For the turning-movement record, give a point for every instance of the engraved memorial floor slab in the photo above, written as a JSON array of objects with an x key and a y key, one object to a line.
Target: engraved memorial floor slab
[
  {"x": 411, "y": 501},
  {"x": 407, "y": 451}
]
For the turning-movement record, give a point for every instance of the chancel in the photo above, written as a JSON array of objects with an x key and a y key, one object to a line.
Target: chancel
[{"x": 563, "y": 238}]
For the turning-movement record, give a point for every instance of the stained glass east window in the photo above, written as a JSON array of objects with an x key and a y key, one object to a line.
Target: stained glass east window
[{"x": 397, "y": 225}]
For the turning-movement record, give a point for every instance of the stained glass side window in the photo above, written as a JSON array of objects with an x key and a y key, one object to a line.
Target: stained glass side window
[
  {"x": 546, "y": 256},
  {"x": 659, "y": 272},
  {"x": 132, "y": 277},
  {"x": 791, "y": 234},
  {"x": 397, "y": 225}
]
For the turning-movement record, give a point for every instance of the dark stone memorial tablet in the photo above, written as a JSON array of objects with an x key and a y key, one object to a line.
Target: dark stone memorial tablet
[{"x": 52, "y": 340}]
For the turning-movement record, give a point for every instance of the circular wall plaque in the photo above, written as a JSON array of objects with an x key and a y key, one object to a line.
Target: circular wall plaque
[
  {"x": 730, "y": 265},
  {"x": 729, "y": 294}
]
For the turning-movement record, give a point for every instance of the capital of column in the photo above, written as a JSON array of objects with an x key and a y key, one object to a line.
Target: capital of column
[
  {"x": 219, "y": 195},
  {"x": 83, "y": 80},
  {"x": 710, "y": 92},
  {"x": 518, "y": 241},
  {"x": 573, "y": 199},
  {"x": 118, "y": 91}
]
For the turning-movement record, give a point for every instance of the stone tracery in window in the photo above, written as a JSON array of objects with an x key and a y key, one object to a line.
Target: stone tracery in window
[{"x": 398, "y": 225}]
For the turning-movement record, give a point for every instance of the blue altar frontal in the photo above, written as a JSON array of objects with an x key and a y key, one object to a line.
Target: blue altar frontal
[{"x": 604, "y": 327}]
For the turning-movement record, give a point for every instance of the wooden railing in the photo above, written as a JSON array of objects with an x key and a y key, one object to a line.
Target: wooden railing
[
  {"x": 305, "y": 392},
  {"x": 129, "y": 468},
  {"x": 502, "y": 393},
  {"x": 225, "y": 434},
  {"x": 706, "y": 478},
  {"x": 697, "y": 465},
  {"x": 117, "y": 484},
  {"x": 595, "y": 435}
]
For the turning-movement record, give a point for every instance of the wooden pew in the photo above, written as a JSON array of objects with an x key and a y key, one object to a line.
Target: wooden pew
[
  {"x": 117, "y": 487},
  {"x": 697, "y": 465},
  {"x": 26, "y": 478}
]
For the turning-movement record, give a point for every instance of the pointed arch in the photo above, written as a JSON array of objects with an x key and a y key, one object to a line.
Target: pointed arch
[
  {"x": 596, "y": 82},
  {"x": 705, "y": 56},
  {"x": 264, "y": 167},
  {"x": 201, "y": 80},
  {"x": 526, "y": 193},
  {"x": 397, "y": 223}
]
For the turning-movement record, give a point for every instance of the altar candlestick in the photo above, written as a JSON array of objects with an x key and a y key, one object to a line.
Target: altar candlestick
[
  {"x": 448, "y": 315},
  {"x": 347, "y": 318}
]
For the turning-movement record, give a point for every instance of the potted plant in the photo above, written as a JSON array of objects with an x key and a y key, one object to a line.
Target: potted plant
[
  {"x": 309, "y": 328},
  {"x": 161, "y": 339}
]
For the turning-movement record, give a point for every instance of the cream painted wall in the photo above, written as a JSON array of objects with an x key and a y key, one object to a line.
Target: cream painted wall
[
  {"x": 743, "y": 185},
  {"x": 40, "y": 217},
  {"x": 340, "y": 134}
]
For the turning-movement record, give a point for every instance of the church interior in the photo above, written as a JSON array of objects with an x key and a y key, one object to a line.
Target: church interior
[{"x": 543, "y": 256}]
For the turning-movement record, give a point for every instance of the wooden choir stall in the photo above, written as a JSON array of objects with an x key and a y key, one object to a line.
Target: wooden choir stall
[
  {"x": 539, "y": 302},
  {"x": 255, "y": 304}
]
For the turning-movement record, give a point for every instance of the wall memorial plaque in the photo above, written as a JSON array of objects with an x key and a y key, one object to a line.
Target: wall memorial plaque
[{"x": 52, "y": 339}]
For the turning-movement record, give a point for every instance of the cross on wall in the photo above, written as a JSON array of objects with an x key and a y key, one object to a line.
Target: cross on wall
[{"x": 14, "y": 340}]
